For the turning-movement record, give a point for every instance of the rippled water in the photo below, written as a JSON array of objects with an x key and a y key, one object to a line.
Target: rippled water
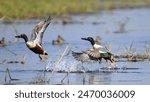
[{"x": 105, "y": 24}]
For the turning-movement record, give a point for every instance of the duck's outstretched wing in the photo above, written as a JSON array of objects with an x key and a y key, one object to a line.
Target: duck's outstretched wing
[
  {"x": 39, "y": 29},
  {"x": 81, "y": 56},
  {"x": 87, "y": 55}
]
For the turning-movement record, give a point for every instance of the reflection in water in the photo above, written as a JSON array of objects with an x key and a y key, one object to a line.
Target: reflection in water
[{"x": 99, "y": 78}]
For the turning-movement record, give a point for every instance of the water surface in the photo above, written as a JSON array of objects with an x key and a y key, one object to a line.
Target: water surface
[{"x": 105, "y": 24}]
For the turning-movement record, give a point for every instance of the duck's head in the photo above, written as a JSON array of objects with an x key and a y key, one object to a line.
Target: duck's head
[
  {"x": 89, "y": 39},
  {"x": 60, "y": 38},
  {"x": 22, "y": 36}
]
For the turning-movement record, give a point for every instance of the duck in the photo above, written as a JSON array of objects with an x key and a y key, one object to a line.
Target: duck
[
  {"x": 88, "y": 55},
  {"x": 58, "y": 41},
  {"x": 35, "y": 43},
  {"x": 93, "y": 54},
  {"x": 105, "y": 54},
  {"x": 2, "y": 42}
]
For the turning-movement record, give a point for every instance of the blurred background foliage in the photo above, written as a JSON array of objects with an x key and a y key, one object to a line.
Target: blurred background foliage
[{"x": 30, "y": 9}]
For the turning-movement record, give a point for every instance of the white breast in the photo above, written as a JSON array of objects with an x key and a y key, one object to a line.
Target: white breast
[
  {"x": 96, "y": 46},
  {"x": 101, "y": 51},
  {"x": 31, "y": 44}
]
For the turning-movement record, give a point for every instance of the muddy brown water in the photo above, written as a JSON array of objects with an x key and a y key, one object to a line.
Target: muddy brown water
[{"x": 106, "y": 24}]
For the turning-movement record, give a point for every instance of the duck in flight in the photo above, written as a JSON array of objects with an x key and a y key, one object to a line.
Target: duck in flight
[
  {"x": 93, "y": 54},
  {"x": 35, "y": 43}
]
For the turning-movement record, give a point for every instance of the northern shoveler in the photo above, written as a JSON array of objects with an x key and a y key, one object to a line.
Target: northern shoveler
[
  {"x": 35, "y": 44},
  {"x": 58, "y": 41},
  {"x": 93, "y": 54}
]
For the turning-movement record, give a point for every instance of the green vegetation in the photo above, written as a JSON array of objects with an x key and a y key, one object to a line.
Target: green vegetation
[{"x": 24, "y": 9}]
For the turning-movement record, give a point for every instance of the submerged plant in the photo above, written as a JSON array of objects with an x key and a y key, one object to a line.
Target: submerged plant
[
  {"x": 130, "y": 51},
  {"x": 23, "y": 59},
  {"x": 40, "y": 79},
  {"x": 147, "y": 50},
  {"x": 9, "y": 77}
]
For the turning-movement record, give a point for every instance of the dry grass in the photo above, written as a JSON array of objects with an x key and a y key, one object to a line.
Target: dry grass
[
  {"x": 40, "y": 80},
  {"x": 8, "y": 76},
  {"x": 132, "y": 56}
]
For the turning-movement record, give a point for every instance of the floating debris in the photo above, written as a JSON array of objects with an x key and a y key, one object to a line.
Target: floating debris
[{"x": 133, "y": 58}]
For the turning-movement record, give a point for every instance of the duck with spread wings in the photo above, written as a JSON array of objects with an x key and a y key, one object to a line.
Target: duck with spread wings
[
  {"x": 35, "y": 43},
  {"x": 94, "y": 54}
]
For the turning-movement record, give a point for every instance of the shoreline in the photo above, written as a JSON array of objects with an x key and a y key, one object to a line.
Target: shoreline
[{"x": 61, "y": 19}]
